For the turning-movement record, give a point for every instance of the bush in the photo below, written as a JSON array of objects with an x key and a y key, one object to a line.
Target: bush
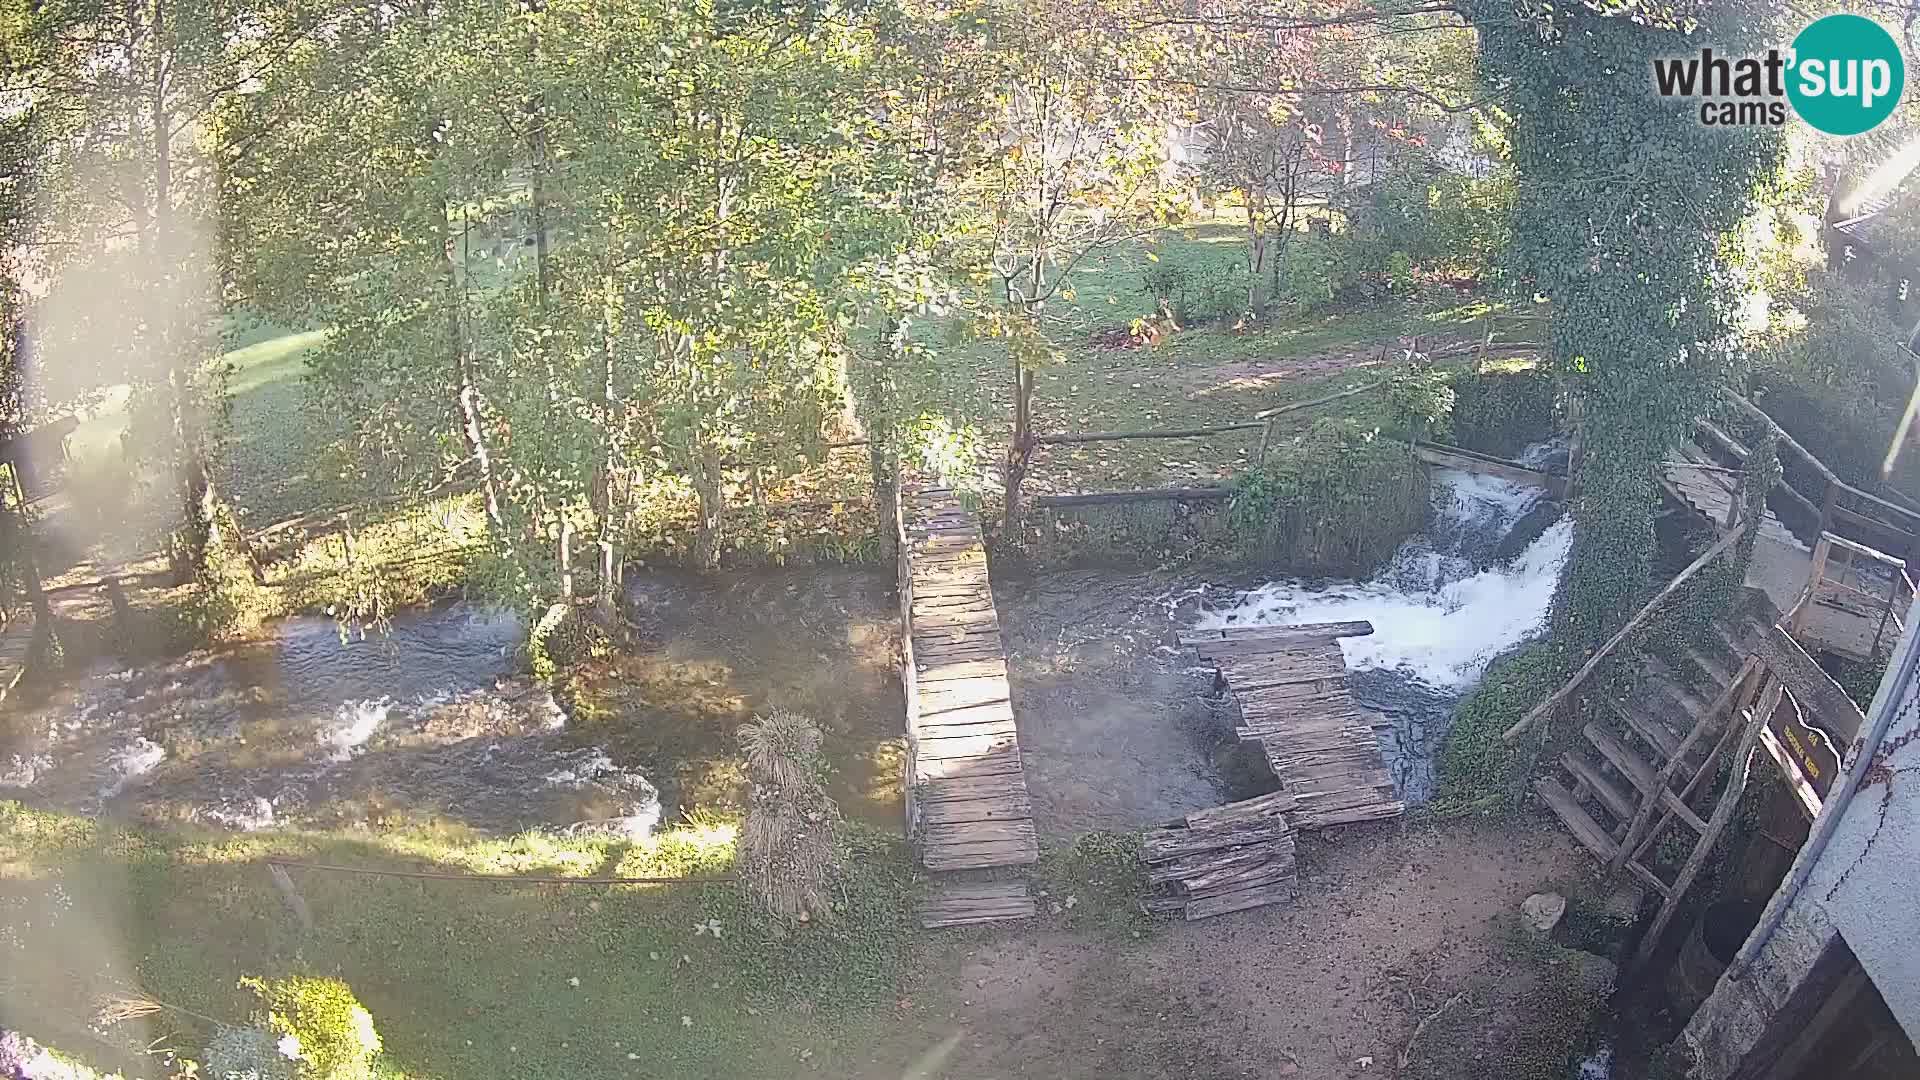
[
  {"x": 245, "y": 1053},
  {"x": 331, "y": 1033},
  {"x": 1500, "y": 410},
  {"x": 1205, "y": 291},
  {"x": 1478, "y": 768},
  {"x": 1338, "y": 500}
]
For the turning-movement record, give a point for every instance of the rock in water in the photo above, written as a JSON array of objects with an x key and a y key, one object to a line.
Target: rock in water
[
  {"x": 1527, "y": 530},
  {"x": 1543, "y": 910}
]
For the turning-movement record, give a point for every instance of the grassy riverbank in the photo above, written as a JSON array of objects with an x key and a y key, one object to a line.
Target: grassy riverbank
[{"x": 463, "y": 979}]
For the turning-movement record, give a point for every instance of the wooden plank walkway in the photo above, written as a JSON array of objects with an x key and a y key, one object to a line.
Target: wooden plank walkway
[
  {"x": 967, "y": 802},
  {"x": 1291, "y": 684}
]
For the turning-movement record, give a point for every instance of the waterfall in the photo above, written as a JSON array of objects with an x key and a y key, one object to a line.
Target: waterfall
[{"x": 1441, "y": 611}]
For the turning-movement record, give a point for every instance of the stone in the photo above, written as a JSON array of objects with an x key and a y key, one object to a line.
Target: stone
[
  {"x": 1543, "y": 910},
  {"x": 1527, "y": 530}
]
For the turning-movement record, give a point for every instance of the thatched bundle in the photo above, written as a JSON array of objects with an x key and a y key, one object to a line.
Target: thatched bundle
[{"x": 789, "y": 847}]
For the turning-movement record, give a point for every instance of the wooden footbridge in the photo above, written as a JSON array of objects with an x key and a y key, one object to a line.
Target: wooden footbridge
[
  {"x": 1291, "y": 685},
  {"x": 967, "y": 803}
]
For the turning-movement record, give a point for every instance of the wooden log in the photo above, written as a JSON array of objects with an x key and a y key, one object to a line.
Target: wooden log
[
  {"x": 1272, "y": 805},
  {"x": 1161, "y": 845},
  {"x": 1448, "y": 457},
  {"x": 1003, "y": 762},
  {"x": 1102, "y": 498},
  {"x": 1212, "y": 862},
  {"x": 1294, "y": 636},
  {"x": 1147, "y": 433},
  {"x": 1281, "y": 892},
  {"x": 950, "y": 671},
  {"x": 1279, "y": 867},
  {"x": 964, "y": 746},
  {"x": 972, "y": 788},
  {"x": 1561, "y": 695},
  {"x": 1013, "y": 806}
]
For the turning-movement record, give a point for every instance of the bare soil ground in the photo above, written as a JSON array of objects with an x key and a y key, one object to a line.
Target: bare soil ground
[{"x": 1391, "y": 922}]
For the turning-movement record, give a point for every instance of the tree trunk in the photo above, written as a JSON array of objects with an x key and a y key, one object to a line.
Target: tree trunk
[
  {"x": 708, "y": 530},
  {"x": 1256, "y": 252},
  {"x": 602, "y": 494},
  {"x": 1020, "y": 448},
  {"x": 472, "y": 430}
]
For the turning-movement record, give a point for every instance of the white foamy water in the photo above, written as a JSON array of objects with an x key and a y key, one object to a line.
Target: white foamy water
[
  {"x": 129, "y": 762},
  {"x": 1434, "y": 617},
  {"x": 353, "y": 724}
]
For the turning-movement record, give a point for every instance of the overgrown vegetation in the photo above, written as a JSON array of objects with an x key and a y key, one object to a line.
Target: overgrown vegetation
[
  {"x": 1479, "y": 771},
  {"x": 1336, "y": 500},
  {"x": 790, "y": 843},
  {"x": 1095, "y": 882}
]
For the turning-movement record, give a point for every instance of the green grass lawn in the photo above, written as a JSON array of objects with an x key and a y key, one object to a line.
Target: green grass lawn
[
  {"x": 1201, "y": 375},
  {"x": 463, "y": 979}
]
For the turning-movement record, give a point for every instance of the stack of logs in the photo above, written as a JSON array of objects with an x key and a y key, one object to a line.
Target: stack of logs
[{"x": 1224, "y": 859}]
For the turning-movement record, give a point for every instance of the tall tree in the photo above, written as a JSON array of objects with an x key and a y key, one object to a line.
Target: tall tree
[
  {"x": 124, "y": 94},
  {"x": 1625, "y": 208}
]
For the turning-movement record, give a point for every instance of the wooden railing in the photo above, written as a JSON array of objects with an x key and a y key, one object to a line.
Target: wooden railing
[
  {"x": 1836, "y": 580},
  {"x": 1817, "y": 502}
]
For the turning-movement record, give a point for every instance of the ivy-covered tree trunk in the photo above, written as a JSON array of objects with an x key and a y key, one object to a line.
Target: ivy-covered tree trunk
[{"x": 1625, "y": 208}]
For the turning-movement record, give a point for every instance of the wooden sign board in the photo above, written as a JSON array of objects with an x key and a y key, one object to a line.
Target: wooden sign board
[{"x": 1807, "y": 754}]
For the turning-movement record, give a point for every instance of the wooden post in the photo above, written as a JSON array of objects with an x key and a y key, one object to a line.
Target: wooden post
[
  {"x": 1826, "y": 504},
  {"x": 1886, "y": 610},
  {"x": 1723, "y": 811},
  {"x": 1797, "y": 620},
  {"x": 1266, "y": 439}
]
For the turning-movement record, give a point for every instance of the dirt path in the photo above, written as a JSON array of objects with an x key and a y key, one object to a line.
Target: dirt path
[{"x": 1310, "y": 991}]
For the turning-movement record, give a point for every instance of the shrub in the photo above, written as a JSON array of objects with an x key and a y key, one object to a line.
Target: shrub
[
  {"x": 1502, "y": 409},
  {"x": 245, "y": 1053},
  {"x": 332, "y": 1033},
  {"x": 1307, "y": 278},
  {"x": 1337, "y": 500},
  {"x": 1195, "y": 292},
  {"x": 790, "y": 844}
]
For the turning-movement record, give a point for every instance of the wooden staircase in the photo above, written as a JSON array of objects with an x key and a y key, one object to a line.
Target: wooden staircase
[{"x": 1640, "y": 768}]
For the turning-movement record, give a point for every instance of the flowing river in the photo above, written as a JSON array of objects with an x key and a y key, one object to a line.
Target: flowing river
[{"x": 432, "y": 723}]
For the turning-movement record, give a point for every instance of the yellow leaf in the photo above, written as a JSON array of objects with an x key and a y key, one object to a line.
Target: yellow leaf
[{"x": 1151, "y": 257}]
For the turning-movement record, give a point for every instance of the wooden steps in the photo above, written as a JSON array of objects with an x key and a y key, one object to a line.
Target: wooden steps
[
  {"x": 1291, "y": 685},
  {"x": 1576, "y": 819},
  {"x": 961, "y": 903},
  {"x": 1228, "y": 858},
  {"x": 967, "y": 802}
]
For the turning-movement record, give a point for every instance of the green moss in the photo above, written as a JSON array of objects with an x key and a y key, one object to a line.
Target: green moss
[{"x": 1097, "y": 882}]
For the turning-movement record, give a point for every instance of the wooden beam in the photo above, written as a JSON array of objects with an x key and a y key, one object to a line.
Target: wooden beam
[
  {"x": 1723, "y": 811},
  {"x": 1560, "y": 696},
  {"x": 1448, "y": 457},
  {"x": 1811, "y": 685},
  {"x": 1148, "y": 495},
  {"x": 1643, "y": 817},
  {"x": 1163, "y": 433}
]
